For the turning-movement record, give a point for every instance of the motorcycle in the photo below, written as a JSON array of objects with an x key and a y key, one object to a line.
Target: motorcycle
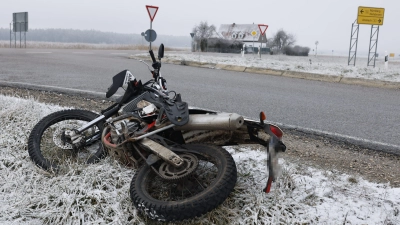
[{"x": 183, "y": 170}]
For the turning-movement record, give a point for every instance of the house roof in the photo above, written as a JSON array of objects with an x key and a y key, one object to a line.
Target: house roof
[{"x": 240, "y": 32}]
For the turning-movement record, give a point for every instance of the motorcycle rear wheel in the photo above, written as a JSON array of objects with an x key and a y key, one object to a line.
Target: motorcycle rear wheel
[
  {"x": 206, "y": 188},
  {"x": 54, "y": 157}
]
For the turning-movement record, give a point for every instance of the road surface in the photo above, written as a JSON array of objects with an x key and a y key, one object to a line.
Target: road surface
[{"x": 349, "y": 111}]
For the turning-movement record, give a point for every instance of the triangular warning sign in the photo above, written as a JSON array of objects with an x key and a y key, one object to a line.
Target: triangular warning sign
[
  {"x": 262, "y": 28},
  {"x": 152, "y": 10}
]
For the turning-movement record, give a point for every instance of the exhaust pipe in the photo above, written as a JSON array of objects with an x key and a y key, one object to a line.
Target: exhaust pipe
[{"x": 220, "y": 121}]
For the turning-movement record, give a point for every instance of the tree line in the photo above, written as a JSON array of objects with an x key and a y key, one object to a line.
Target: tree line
[{"x": 94, "y": 37}]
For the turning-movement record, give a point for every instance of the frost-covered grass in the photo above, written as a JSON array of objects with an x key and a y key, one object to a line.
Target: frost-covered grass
[
  {"x": 99, "y": 194},
  {"x": 328, "y": 65}
]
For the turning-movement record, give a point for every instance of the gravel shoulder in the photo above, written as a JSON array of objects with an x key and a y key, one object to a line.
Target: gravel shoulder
[{"x": 302, "y": 148}]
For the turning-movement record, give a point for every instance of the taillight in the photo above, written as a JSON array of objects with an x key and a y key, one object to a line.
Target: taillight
[{"x": 278, "y": 132}]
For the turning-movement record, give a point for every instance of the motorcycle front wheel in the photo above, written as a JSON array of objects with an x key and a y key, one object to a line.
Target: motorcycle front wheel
[
  {"x": 49, "y": 150},
  {"x": 203, "y": 190}
]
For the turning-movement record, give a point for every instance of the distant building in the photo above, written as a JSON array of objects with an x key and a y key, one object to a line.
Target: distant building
[
  {"x": 243, "y": 33},
  {"x": 232, "y": 38}
]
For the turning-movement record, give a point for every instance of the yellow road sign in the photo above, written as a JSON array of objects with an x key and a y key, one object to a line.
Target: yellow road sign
[
  {"x": 253, "y": 33},
  {"x": 371, "y": 16},
  {"x": 369, "y": 20},
  {"x": 391, "y": 55}
]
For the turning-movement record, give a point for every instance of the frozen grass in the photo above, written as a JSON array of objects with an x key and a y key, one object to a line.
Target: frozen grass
[
  {"x": 98, "y": 194},
  {"x": 328, "y": 65}
]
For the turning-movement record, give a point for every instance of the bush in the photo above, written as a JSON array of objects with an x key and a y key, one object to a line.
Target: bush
[
  {"x": 224, "y": 46},
  {"x": 296, "y": 50}
]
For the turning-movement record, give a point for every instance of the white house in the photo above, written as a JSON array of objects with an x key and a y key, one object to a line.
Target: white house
[{"x": 248, "y": 33}]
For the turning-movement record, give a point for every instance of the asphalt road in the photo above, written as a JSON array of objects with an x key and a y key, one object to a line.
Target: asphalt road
[{"x": 349, "y": 111}]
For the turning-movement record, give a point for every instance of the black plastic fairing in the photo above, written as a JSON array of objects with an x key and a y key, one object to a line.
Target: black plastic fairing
[{"x": 118, "y": 81}]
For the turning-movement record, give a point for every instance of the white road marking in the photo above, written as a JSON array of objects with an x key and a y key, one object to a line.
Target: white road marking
[
  {"x": 120, "y": 53},
  {"x": 38, "y": 52},
  {"x": 83, "y": 52}
]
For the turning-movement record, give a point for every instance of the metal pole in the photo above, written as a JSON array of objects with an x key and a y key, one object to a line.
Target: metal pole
[
  {"x": 25, "y": 38},
  {"x": 20, "y": 39},
  {"x": 376, "y": 45},
  {"x": 351, "y": 37},
  {"x": 369, "y": 49},
  {"x": 253, "y": 46},
  {"x": 151, "y": 24},
  {"x": 192, "y": 45},
  {"x": 386, "y": 60},
  {"x": 200, "y": 49},
  {"x": 355, "y": 54},
  {"x": 10, "y": 35}
]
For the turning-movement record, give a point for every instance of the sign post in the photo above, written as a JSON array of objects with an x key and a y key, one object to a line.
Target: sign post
[
  {"x": 20, "y": 24},
  {"x": 152, "y": 11},
  {"x": 262, "y": 28},
  {"x": 192, "y": 45},
  {"x": 253, "y": 33},
  {"x": 374, "y": 17},
  {"x": 386, "y": 60}
]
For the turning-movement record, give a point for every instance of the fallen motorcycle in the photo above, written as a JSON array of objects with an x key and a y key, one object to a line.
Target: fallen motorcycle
[{"x": 183, "y": 170}]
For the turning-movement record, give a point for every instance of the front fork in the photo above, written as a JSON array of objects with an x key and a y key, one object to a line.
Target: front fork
[{"x": 75, "y": 137}]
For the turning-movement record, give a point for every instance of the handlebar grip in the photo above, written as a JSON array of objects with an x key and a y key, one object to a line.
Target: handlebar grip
[{"x": 152, "y": 56}]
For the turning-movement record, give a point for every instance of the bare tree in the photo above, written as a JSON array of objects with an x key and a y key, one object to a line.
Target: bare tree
[
  {"x": 202, "y": 32},
  {"x": 280, "y": 40}
]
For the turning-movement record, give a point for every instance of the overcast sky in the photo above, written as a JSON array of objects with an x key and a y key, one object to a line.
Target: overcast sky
[{"x": 328, "y": 21}]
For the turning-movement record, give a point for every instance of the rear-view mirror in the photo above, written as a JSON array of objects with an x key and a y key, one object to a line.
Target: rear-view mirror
[{"x": 161, "y": 51}]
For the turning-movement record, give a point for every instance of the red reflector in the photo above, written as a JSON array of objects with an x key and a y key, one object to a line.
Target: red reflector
[
  {"x": 276, "y": 131},
  {"x": 263, "y": 116}
]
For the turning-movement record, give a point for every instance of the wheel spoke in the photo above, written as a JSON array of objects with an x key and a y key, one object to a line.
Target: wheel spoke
[
  {"x": 53, "y": 148},
  {"x": 184, "y": 188},
  {"x": 199, "y": 183}
]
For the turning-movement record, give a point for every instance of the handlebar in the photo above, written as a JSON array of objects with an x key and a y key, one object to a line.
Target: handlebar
[
  {"x": 161, "y": 82},
  {"x": 156, "y": 66},
  {"x": 152, "y": 56}
]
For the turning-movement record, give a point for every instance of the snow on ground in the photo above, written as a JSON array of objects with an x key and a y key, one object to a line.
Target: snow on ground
[
  {"x": 98, "y": 194},
  {"x": 328, "y": 65}
]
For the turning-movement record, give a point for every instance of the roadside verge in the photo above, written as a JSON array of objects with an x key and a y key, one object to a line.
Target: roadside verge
[{"x": 284, "y": 73}]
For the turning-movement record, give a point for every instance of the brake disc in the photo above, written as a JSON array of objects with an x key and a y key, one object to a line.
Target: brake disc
[
  {"x": 171, "y": 173},
  {"x": 57, "y": 136}
]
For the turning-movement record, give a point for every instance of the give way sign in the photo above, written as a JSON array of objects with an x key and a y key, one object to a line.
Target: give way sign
[
  {"x": 262, "y": 28},
  {"x": 152, "y": 10}
]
